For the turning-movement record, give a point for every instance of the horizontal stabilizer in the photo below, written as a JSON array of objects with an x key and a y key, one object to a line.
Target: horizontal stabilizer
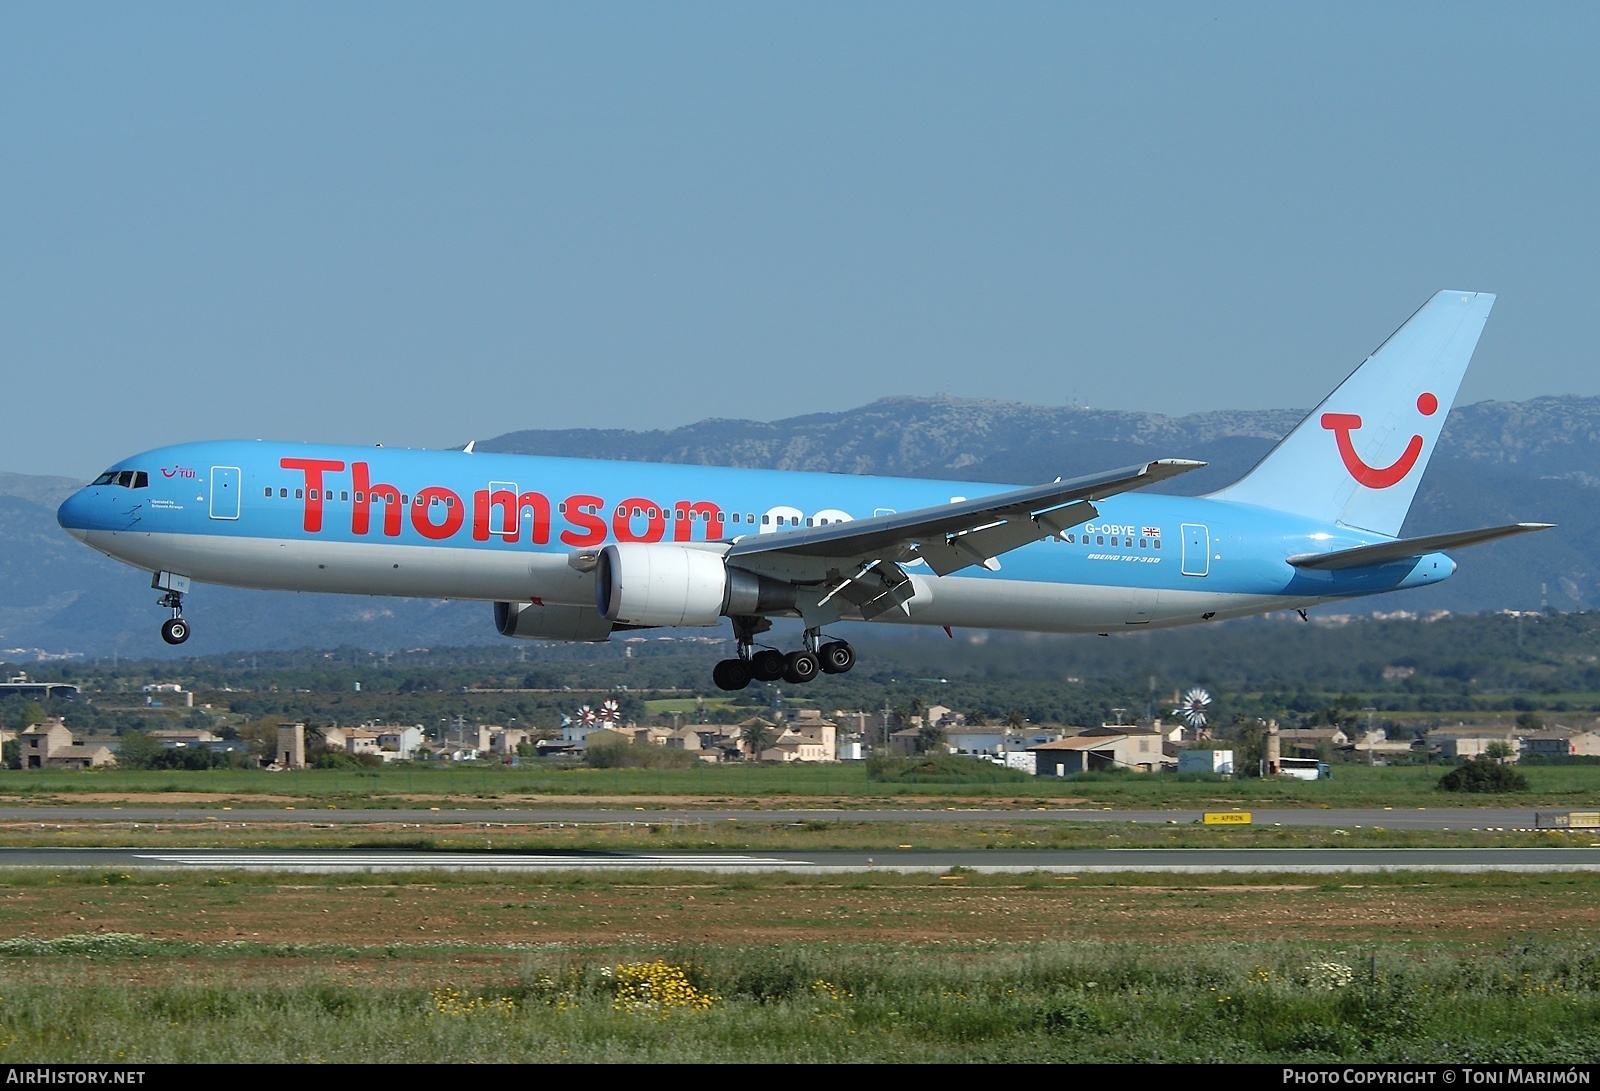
[{"x": 1404, "y": 548}]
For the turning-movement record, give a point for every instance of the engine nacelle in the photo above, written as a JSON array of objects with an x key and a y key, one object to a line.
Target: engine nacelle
[
  {"x": 527, "y": 621},
  {"x": 656, "y": 583}
]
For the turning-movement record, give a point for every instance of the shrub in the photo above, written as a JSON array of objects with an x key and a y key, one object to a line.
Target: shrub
[
  {"x": 1481, "y": 775},
  {"x": 612, "y": 755},
  {"x": 339, "y": 759}
]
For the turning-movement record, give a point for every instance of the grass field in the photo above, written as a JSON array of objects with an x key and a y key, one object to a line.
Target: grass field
[
  {"x": 235, "y": 967},
  {"x": 833, "y": 785},
  {"x": 100, "y": 966}
]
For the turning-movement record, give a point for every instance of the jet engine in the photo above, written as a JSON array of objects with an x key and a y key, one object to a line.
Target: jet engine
[
  {"x": 529, "y": 621},
  {"x": 655, "y": 583}
]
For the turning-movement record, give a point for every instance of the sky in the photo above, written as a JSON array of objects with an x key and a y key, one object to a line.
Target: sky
[{"x": 421, "y": 224}]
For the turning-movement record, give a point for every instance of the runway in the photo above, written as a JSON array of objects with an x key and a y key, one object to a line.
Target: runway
[
  {"x": 1066, "y": 861},
  {"x": 1454, "y": 818}
]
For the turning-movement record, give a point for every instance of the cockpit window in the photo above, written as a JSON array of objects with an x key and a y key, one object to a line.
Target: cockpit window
[{"x": 128, "y": 479}]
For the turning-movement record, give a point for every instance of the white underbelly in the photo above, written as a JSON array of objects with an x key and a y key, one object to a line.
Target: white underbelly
[
  {"x": 354, "y": 568},
  {"x": 1072, "y": 607}
]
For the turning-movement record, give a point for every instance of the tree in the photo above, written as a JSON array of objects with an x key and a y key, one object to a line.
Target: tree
[
  {"x": 139, "y": 750},
  {"x": 32, "y": 713},
  {"x": 1497, "y": 751},
  {"x": 930, "y": 738},
  {"x": 756, "y": 736},
  {"x": 261, "y": 736},
  {"x": 1249, "y": 745}
]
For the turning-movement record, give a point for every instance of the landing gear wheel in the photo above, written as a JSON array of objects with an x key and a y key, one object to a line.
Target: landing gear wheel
[
  {"x": 837, "y": 657},
  {"x": 767, "y": 665},
  {"x": 175, "y": 630},
  {"x": 731, "y": 674},
  {"x": 800, "y": 667}
]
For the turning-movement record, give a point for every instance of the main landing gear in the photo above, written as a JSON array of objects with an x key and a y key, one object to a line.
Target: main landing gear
[
  {"x": 174, "y": 630},
  {"x": 769, "y": 664}
]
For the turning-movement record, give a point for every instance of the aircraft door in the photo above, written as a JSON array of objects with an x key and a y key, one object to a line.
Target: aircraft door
[
  {"x": 504, "y": 519},
  {"x": 1196, "y": 549},
  {"x": 224, "y": 492}
]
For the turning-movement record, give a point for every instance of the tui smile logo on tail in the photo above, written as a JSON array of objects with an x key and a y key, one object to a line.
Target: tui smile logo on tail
[{"x": 1376, "y": 477}]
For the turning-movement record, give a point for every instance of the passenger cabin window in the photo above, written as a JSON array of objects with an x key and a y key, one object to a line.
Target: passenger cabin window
[{"x": 283, "y": 494}]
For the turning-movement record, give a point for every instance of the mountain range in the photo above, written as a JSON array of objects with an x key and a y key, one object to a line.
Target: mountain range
[{"x": 1497, "y": 462}]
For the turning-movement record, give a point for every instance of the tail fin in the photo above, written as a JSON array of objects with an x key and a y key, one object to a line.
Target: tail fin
[{"x": 1357, "y": 459}]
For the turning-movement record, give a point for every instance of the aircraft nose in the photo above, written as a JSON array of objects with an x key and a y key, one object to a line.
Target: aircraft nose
[{"x": 73, "y": 515}]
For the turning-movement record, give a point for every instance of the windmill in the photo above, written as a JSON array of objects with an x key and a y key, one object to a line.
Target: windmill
[
  {"x": 609, "y": 711},
  {"x": 1192, "y": 709},
  {"x": 586, "y": 716}
]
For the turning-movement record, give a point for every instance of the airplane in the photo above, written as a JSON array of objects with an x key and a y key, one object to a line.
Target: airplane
[{"x": 571, "y": 549}]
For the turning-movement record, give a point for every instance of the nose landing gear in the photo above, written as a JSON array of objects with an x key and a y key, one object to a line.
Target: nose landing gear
[{"x": 174, "y": 630}]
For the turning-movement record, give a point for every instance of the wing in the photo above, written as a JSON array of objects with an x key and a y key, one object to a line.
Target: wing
[
  {"x": 863, "y": 556},
  {"x": 1405, "y": 548}
]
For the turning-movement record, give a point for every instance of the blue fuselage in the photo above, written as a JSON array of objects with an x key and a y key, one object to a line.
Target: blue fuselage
[{"x": 453, "y": 524}]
